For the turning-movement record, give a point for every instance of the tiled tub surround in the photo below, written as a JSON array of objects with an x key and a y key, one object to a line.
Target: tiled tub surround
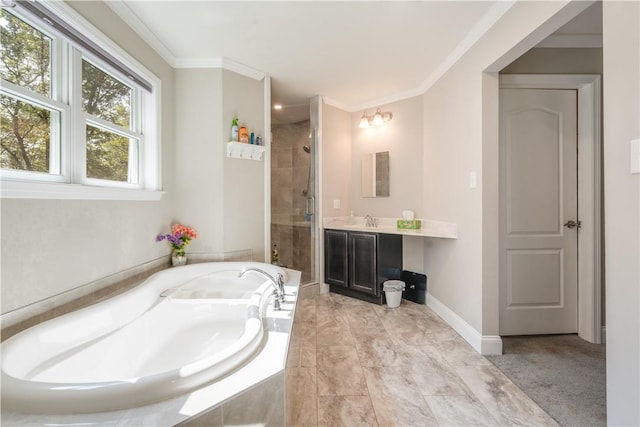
[
  {"x": 24, "y": 317},
  {"x": 358, "y": 364},
  {"x": 82, "y": 296},
  {"x": 255, "y": 376}
]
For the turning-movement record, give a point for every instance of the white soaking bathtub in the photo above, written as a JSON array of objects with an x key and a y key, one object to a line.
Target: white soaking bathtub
[{"x": 180, "y": 329}]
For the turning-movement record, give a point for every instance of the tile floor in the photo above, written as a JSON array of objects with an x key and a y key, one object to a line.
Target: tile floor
[{"x": 353, "y": 363}]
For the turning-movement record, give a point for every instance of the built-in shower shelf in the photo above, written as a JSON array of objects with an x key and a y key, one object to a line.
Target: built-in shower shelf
[{"x": 240, "y": 150}]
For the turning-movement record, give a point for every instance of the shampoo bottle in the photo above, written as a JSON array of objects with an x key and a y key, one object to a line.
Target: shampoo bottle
[{"x": 234, "y": 130}]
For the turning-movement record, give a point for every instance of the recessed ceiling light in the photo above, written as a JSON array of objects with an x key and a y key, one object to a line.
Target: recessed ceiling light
[{"x": 277, "y": 107}]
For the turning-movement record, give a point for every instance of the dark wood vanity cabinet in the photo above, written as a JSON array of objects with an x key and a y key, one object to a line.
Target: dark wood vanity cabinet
[
  {"x": 363, "y": 262},
  {"x": 357, "y": 263},
  {"x": 335, "y": 258}
]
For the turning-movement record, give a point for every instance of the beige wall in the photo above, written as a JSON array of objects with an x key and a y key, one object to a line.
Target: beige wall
[
  {"x": 621, "y": 41},
  {"x": 336, "y": 161},
  {"x": 199, "y": 154},
  {"x": 222, "y": 197},
  {"x": 51, "y": 246},
  {"x": 243, "y": 180},
  {"x": 402, "y": 138}
]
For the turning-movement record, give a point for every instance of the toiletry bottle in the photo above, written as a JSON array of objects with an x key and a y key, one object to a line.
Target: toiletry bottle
[
  {"x": 243, "y": 134},
  {"x": 274, "y": 255},
  {"x": 234, "y": 130},
  {"x": 252, "y": 138},
  {"x": 352, "y": 219}
]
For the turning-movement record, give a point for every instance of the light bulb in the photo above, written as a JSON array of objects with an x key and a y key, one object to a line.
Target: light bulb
[
  {"x": 364, "y": 122},
  {"x": 377, "y": 118}
]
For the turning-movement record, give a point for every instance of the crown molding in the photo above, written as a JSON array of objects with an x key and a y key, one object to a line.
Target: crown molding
[
  {"x": 571, "y": 41},
  {"x": 480, "y": 29},
  {"x": 386, "y": 100},
  {"x": 130, "y": 18},
  {"x": 337, "y": 104},
  {"x": 488, "y": 20},
  {"x": 245, "y": 70},
  {"x": 224, "y": 63},
  {"x": 198, "y": 63}
]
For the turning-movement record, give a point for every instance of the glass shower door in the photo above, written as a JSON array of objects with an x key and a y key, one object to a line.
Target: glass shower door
[{"x": 293, "y": 198}]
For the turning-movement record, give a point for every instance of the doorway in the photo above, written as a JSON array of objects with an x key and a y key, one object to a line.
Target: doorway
[
  {"x": 539, "y": 206},
  {"x": 537, "y": 250}
]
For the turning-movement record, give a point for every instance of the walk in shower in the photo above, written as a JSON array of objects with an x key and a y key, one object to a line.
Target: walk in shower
[{"x": 293, "y": 197}]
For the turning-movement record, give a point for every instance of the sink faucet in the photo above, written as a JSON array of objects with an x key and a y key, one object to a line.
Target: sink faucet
[
  {"x": 370, "y": 221},
  {"x": 277, "y": 283}
]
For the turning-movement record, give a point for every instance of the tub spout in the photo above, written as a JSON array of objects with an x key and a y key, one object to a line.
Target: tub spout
[{"x": 277, "y": 283}]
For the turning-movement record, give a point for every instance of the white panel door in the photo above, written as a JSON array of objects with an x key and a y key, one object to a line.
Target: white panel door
[{"x": 539, "y": 248}]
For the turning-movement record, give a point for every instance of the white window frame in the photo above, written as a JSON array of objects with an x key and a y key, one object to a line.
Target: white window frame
[{"x": 66, "y": 100}]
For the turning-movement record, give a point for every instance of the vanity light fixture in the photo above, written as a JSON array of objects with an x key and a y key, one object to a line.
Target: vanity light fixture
[
  {"x": 277, "y": 106},
  {"x": 376, "y": 120}
]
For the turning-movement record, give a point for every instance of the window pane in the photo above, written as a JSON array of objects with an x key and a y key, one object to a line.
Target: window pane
[
  {"x": 104, "y": 96},
  {"x": 108, "y": 155},
  {"x": 25, "y": 136},
  {"x": 25, "y": 54}
]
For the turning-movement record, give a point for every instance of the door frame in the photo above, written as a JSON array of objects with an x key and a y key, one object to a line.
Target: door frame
[{"x": 588, "y": 88}]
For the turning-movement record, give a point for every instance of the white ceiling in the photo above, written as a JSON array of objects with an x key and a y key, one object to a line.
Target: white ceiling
[
  {"x": 356, "y": 54},
  {"x": 353, "y": 53}
]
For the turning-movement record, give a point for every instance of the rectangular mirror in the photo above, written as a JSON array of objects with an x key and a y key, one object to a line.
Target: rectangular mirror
[{"x": 375, "y": 174}]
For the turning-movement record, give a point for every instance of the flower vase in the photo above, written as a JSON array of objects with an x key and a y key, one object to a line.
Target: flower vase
[{"x": 177, "y": 260}]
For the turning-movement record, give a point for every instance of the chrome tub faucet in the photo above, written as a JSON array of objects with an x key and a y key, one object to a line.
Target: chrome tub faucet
[{"x": 277, "y": 283}]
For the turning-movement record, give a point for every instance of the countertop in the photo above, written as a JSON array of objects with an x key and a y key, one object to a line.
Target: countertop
[{"x": 430, "y": 228}]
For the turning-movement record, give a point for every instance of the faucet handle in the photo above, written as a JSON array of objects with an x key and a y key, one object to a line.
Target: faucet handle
[
  {"x": 280, "y": 280},
  {"x": 370, "y": 221},
  {"x": 276, "y": 301}
]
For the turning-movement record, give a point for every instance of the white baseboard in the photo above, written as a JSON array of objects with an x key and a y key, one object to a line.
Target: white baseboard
[
  {"x": 491, "y": 345},
  {"x": 485, "y": 345},
  {"x": 309, "y": 290}
]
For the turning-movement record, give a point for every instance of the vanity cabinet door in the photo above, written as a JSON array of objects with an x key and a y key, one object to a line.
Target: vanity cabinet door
[
  {"x": 335, "y": 258},
  {"x": 363, "y": 264}
]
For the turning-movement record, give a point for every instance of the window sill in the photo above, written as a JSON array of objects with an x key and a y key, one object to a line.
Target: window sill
[{"x": 60, "y": 191}]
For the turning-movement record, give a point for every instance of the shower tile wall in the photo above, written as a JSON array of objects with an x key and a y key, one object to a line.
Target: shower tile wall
[{"x": 289, "y": 178}]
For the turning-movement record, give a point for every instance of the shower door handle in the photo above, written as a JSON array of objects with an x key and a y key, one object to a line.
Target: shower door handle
[{"x": 311, "y": 205}]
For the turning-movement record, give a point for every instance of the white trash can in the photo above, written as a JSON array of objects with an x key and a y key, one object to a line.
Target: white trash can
[{"x": 393, "y": 292}]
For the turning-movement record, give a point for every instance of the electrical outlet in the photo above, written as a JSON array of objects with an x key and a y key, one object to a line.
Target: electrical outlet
[{"x": 336, "y": 204}]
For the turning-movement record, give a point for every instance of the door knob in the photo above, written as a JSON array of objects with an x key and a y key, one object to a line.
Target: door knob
[{"x": 573, "y": 224}]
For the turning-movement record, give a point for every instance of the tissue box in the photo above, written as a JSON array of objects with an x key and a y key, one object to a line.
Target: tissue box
[{"x": 409, "y": 224}]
